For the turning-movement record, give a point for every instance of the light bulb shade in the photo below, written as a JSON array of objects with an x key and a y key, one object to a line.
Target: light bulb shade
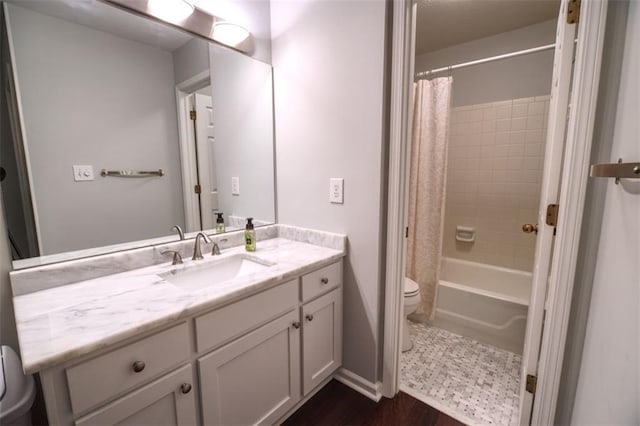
[
  {"x": 170, "y": 10},
  {"x": 229, "y": 33}
]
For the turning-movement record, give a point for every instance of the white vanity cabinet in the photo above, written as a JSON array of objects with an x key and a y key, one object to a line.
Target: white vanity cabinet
[{"x": 247, "y": 362}]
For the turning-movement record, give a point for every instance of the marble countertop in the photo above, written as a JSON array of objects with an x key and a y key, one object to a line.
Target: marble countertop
[{"x": 60, "y": 323}]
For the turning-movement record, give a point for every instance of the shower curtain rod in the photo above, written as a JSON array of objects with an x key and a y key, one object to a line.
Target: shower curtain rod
[{"x": 426, "y": 74}]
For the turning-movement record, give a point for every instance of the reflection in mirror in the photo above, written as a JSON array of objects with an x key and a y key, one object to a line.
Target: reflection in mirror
[{"x": 90, "y": 87}]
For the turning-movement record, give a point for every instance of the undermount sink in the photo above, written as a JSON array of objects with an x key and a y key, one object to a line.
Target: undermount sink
[{"x": 215, "y": 272}]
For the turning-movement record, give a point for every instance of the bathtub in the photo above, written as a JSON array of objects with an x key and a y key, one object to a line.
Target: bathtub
[{"x": 483, "y": 302}]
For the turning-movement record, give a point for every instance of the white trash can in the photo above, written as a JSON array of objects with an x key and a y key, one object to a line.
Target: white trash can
[{"x": 17, "y": 391}]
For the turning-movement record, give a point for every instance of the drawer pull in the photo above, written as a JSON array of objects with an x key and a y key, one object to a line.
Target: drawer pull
[
  {"x": 185, "y": 388},
  {"x": 309, "y": 317},
  {"x": 324, "y": 280},
  {"x": 296, "y": 324},
  {"x": 138, "y": 366}
]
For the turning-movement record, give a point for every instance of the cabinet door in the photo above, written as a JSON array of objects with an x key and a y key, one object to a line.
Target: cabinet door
[
  {"x": 254, "y": 379},
  {"x": 167, "y": 401},
  {"x": 321, "y": 339}
]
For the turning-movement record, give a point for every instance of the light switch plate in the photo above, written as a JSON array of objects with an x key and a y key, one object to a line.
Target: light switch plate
[
  {"x": 235, "y": 186},
  {"x": 82, "y": 173},
  {"x": 336, "y": 190}
]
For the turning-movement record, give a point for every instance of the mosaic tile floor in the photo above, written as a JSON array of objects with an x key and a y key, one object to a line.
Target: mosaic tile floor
[{"x": 474, "y": 382}]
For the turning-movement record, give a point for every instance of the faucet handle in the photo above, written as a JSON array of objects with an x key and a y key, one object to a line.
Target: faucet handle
[
  {"x": 177, "y": 258},
  {"x": 215, "y": 250}
]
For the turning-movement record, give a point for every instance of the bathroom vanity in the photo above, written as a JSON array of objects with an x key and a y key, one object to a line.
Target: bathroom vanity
[{"x": 145, "y": 346}]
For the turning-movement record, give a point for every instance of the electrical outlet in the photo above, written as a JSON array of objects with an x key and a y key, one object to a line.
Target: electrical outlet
[
  {"x": 235, "y": 186},
  {"x": 336, "y": 190},
  {"x": 82, "y": 173}
]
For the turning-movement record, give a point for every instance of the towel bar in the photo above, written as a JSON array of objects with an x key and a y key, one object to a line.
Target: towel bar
[
  {"x": 131, "y": 173},
  {"x": 617, "y": 170}
]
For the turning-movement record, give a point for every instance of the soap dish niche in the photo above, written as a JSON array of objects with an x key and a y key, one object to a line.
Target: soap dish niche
[{"x": 465, "y": 234}]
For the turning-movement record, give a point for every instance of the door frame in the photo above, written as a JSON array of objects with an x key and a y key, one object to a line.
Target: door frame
[
  {"x": 572, "y": 194},
  {"x": 186, "y": 134}
]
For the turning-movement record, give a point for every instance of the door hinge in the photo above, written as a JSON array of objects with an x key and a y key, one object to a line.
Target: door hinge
[
  {"x": 192, "y": 115},
  {"x": 532, "y": 381},
  {"x": 552, "y": 214},
  {"x": 406, "y": 232},
  {"x": 573, "y": 12},
  {"x": 197, "y": 189}
]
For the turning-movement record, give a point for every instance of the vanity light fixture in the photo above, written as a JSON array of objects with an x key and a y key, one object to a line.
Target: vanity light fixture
[
  {"x": 170, "y": 10},
  {"x": 229, "y": 33}
]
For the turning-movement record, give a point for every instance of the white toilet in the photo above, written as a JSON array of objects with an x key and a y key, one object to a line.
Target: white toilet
[
  {"x": 411, "y": 301},
  {"x": 17, "y": 391}
]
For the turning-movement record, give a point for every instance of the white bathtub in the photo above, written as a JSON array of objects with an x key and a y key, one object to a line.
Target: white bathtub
[{"x": 484, "y": 302}]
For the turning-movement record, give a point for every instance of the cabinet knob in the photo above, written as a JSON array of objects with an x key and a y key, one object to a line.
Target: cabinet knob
[
  {"x": 185, "y": 388},
  {"x": 296, "y": 324},
  {"x": 138, "y": 366},
  {"x": 309, "y": 317},
  {"x": 324, "y": 280}
]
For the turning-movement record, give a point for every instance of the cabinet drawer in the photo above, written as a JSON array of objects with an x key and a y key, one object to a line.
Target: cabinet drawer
[
  {"x": 224, "y": 324},
  {"x": 320, "y": 281},
  {"x": 100, "y": 378}
]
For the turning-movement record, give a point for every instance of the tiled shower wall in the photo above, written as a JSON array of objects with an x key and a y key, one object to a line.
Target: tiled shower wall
[{"x": 494, "y": 175}]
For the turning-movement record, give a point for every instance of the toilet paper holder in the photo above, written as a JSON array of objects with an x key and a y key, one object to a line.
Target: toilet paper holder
[{"x": 465, "y": 234}]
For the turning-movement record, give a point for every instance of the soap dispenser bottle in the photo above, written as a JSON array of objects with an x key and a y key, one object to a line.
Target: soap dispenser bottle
[
  {"x": 249, "y": 236},
  {"x": 220, "y": 228}
]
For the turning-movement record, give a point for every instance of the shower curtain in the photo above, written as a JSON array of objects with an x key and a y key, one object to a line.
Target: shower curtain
[{"x": 431, "y": 105}]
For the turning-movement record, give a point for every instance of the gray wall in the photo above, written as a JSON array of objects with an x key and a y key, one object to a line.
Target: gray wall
[
  {"x": 328, "y": 59},
  {"x": 608, "y": 388},
  {"x": 89, "y": 97},
  {"x": 190, "y": 60},
  {"x": 520, "y": 77},
  {"x": 242, "y": 99}
]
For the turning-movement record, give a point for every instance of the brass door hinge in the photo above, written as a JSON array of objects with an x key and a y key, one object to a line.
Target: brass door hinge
[
  {"x": 532, "y": 381},
  {"x": 406, "y": 232},
  {"x": 197, "y": 189},
  {"x": 552, "y": 214},
  {"x": 573, "y": 12},
  {"x": 192, "y": 115}
]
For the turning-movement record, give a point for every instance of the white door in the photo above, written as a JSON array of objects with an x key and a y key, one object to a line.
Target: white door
[
  {"x": 558, "y": 111},
  {"x": 205, "y": 159}
]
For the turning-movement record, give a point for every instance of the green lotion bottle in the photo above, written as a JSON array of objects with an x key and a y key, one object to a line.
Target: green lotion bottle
[
  {"x": 249, "y": 236},
  {"x": 220, "y": 228}
]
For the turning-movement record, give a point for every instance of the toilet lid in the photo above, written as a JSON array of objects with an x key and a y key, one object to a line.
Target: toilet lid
[{"x": 410, "y": 287}]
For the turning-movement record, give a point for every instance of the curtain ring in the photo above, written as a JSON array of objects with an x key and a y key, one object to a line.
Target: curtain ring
[{"x": 449, "y": 70}]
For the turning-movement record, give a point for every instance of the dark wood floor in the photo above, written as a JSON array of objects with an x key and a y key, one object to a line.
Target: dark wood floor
[{"x": 337, "y": 404}]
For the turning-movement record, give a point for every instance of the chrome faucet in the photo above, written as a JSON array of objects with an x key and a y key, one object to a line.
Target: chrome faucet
[
  {"x": 179, "y": 230},
  {"x": 197, "y": 250}
]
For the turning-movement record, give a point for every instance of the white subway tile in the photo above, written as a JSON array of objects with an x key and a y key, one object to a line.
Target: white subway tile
[
  {"x": 517, "y": 137},
  {"x": 520, "y": 110},
  {"x": 536, "y": 108},
  {"x": 476, "y": 114},
  {"x": 523, "y": 101},
  {"x": 502, "y": 103},
  {"x": 489, "y": 126},
  {"x": 535, "y": 122},
  {"x": 488, "y": 138},
  {"x": 501, "y": 150},
  {"x": 543, "y": 98},
  {"x": 502, "y": 138},
  {"x": 519, "y": 123},
  {"x": 534, "y": 136},
  {"x": 489, "y": 113},
  {"x": 516, "y": 150},
  {"x": 503, "y": 112},
  {"x": 502, "y": 125}
]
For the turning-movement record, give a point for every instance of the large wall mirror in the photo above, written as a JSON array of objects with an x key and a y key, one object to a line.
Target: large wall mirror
[{"x": 90, "y": 87}]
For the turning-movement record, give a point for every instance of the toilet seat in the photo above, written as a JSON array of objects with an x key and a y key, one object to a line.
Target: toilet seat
[{"x": 411, "y": 287}]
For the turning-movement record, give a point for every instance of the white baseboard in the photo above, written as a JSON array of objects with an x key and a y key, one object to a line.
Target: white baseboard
[{"x": 359, "y": 384}]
